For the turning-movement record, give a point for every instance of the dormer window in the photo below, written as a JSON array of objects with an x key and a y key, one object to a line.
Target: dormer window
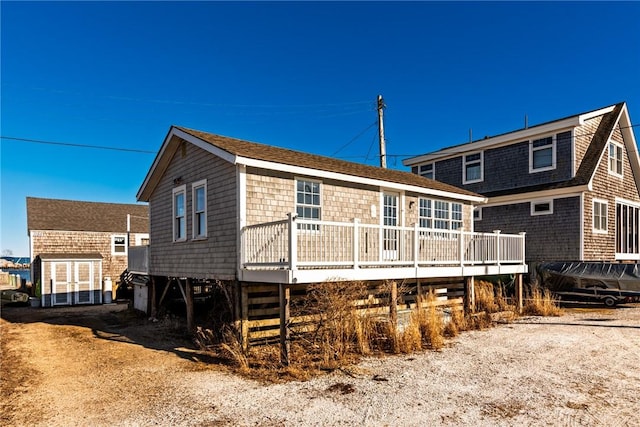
[
  {"x": 472, "y": 168},
  {"x": 615, "y": 158},
  {"x": 542, "y": 154}
]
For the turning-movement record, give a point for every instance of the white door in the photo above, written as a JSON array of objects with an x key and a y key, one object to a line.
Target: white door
[
  {"x": 61, "y": 283},
  {"x": 390, "y": 233},
  {"x": 84, "y": 282}
]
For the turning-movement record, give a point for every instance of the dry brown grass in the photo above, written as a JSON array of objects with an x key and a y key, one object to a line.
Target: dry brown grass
[
  {"x": 491, "y": 298},
  {"x": 541, "y": 302},
  {"x": 346, "y": 330}
]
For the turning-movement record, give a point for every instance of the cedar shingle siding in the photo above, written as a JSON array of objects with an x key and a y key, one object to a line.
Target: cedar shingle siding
[
  {"x": 215, "y": 256},
  {"x": 558, "y": 236}
]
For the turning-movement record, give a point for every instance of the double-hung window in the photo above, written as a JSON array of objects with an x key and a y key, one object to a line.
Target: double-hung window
[
  {"x": 599, "y": 216},
  {"x": 441, "y": 215},
  {"x": 472, "y": 168},
  {"x": 308, "y": 202},
  {"x": 615, "y": 158},
  {"x": 179, "y": 214},
  {"x": 199, "y": 205},
  {"x": 542, "y": 154},
  {"x": 118, "y": 245},
  {"x": 426, "y": 171}
]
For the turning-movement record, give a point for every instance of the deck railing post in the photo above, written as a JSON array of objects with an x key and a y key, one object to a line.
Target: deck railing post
[
  {"x": 293, "y": 241},
  {"x": 461, "y": 246},
  {"x": 497, "y": 233},
  {"x": 356, "y": 242},
  {"x": 523, "y": 241},
  {"x": 416, "y": 244}
]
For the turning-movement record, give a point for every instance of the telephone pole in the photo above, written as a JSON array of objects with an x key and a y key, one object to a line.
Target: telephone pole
[{"x": 383, "y": 149}]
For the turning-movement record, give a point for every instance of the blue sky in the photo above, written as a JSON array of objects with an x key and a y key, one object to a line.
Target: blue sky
[{"x": 298, "y": 75}]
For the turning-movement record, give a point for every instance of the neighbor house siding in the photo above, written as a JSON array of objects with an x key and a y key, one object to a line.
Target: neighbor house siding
[
  {"x": 215, "y": 256},
  {"x": 507, "y": 167},
  {"x": 561, "y": 245},
  {"x": 601, "y": 246},
  {"x": 83, "y": 242},
  {"x": 583, "y": 135}
]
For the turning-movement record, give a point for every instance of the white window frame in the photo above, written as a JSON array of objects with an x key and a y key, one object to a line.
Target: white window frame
[
  {"x": 308, "y": 227},
  {"x": 178, "y": 190},
  {"x": 631, "y": 240},
  {"x": 619, "y": 147},
  {"x": 448, "y": 221},
  {"x": 533, "y": 149},
  {"x": 424, "y": 173},
  {"x": 599, "y": 229},
  {"x": 534, "y": 203},
  {"x": 477, "y": 213},
  {"x": 140, "y": 237},
  {"x": 465, "y": 164},
  {"x": 194, "y": 213},
  {"x": 113, "y": 244}
]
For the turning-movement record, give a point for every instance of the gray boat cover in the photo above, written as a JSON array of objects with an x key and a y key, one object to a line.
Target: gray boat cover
[{"x": 558, "y": 275}]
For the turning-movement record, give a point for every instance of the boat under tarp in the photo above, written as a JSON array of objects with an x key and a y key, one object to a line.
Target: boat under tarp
[{"x": 567, "y": 276}]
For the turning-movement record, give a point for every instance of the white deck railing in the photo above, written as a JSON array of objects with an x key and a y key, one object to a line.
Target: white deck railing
[{"x": 301, "y": 244}]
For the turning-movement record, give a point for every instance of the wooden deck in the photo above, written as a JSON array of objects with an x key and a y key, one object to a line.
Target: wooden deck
[{"x": 303, "y": 251}]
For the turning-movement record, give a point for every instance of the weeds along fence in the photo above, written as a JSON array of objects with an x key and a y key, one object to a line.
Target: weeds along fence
[{"x": 261, "y": 304}]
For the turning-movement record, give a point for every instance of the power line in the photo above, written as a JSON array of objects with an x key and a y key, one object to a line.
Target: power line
[
  {"x": 68, "y": 144},
  {"x": 353, "y": 139}
]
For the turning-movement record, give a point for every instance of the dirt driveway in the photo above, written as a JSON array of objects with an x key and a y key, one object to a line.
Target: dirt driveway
[{"x": 102, "y": 365}]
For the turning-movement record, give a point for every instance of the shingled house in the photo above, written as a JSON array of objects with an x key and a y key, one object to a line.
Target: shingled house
[
  {"x": 260, "y": 220},
  {"x": 75, "y": 245},
  {"x": 572, "y": 184}
]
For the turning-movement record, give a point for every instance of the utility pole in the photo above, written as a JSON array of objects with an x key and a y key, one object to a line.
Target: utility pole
[{"x": 383, "y": 149}]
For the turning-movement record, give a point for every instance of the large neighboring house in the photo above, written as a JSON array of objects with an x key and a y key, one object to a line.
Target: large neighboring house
[
  {"x": 249, "y": 214},
  {"x": 571, "y": 184},
  {"x": 76, "y": 245}
]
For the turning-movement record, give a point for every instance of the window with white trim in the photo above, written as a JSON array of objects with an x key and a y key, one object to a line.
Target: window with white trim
[
  {"x": 443, "y": 216},
  {"x": 542, "y": 207},
  {"x": 600, "y": 216},
  {"x": 427, "y": 171},
  {"x": 179, "y": 214},
  {"x": 615, "y": 158},
  {"x": 542, "y": 154},
  {"x": 199, "y": 208},
  {"x": 477, "y": 213},
  {"x": 627, "y": 231},
  {"x": 308, "y": 203},
  {"x": 425, "y": 215},
  {"x": 472, "y": 168},
  {"x": 118, "y": 245}
]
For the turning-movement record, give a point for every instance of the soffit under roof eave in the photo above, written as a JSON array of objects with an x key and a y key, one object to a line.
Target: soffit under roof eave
[
  {"x": 535, "y": 195},
  {"x": 299, "y": 170}
]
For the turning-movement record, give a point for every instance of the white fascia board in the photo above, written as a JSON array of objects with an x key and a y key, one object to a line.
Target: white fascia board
[
  {"x": 630, "y": 144},
  {"x": 299, "y": 170},
  {"x": 189, "y": 138},
  {"x": 224, "y": 155},
  {"x": 494, "y": 142},
  {"x": 590, "y": 115},
  {"x": 560, "y": 193}
]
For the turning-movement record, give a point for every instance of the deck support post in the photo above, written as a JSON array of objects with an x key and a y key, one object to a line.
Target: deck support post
[
  {"x": 285, "y": 337},
  {"x": 244, "y": 315},
  {"x": 153, "y": 310},
  {"x": 519, "y": 292},
  {"x": 189, "y": 304},
  {"x": 393, "y": 304},
  {"x": 469, "y": 295}
]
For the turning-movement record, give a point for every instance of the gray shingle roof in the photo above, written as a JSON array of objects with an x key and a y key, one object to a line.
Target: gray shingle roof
[
  {"x": 70, "y": 215},
  {"x": 285, "y": 156}
]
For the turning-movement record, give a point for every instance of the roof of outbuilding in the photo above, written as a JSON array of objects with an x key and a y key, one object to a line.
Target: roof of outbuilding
[
  {"x": 71, "y": 215},
  {"x": 285, "y": 156}
]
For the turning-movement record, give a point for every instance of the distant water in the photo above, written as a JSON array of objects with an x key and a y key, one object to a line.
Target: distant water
[{"x": 25, "y": 274}]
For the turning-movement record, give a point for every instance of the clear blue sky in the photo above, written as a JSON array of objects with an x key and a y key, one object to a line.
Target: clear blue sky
[{"x": 298, "y": 75}]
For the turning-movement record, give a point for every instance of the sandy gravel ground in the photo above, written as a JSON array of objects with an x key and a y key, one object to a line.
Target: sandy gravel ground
[{"x": 95, "y": 366}]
